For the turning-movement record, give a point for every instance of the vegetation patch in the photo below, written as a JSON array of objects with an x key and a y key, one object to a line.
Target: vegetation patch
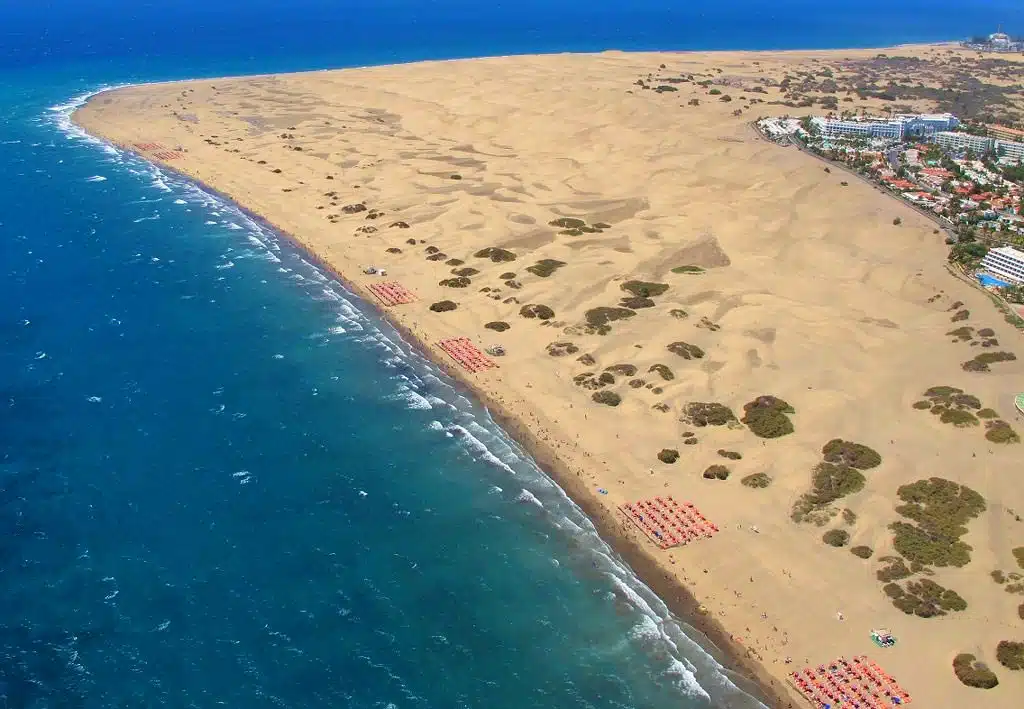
[
  {"x": 602, "y": 316},
  {"x": 668, "y": 455},
  {"x": 464, "y": 272},
  {"x": 586, "y": 359},
  {"x": 940, "y": 510},
  {"x": 495, "y": 254},
  {"x": 688, "y": 269},
  {"x": 636, "y": 302},
  {"x": 716, "y": 472},
  {"x": 960, "y": 315},
  {"x": 608, "y": 398},
  {"x": 896, "y": 570},
  {"x": 981, "y": 362},
  {"x": 756, "y": 480},
  {"x": 663, "y": 371},
  {"x": 1010, "y": 654},
  {"x": 686, "y": 350},
  {"x": 439, "y": 256},
  {"x": 829, "y": 482},
  {"x": 987, "y": 414},
  {"x": 507, "y": 276},
  {"x": 701, "y": 413},
  {"x": 457, "y": 282},
  {"x": 443, "y": 306},
  {"x": 561, "y": 349},
  {"x": 998, "y": 431},
  {"x": 536, "y": 310},
  {"x": 1018, "y": 554},
  {"x": 545, "y": 267},
  {"x": 643, "y": 289},
  {"x": 567, "y": 223},
  {"x": 973, "y": 673},
  {"x": 862, "y": 552},
  {"x": 768, "y": 416},
  {"x": 963, "y": 334},
  {"x": 836, "y": 537},
  {"x": 731, "y": 455},
  {"x": 856, "y": 455},
  {"x": 497, "y": 326},
  {"x": 925, "y": 599},
  {"x": 393, "y": 250}
]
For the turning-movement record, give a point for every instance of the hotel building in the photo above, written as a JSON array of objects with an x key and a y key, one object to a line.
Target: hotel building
[
  {"x": 964, "y": 141},
  {"x": 1005, "y": 262}
]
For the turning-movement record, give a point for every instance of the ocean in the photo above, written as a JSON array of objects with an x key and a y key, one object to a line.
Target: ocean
[{"x": 224, "y": 481}]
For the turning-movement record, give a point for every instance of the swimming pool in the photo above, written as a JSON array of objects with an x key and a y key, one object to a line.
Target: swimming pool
[{"x": 991, "y": 281}]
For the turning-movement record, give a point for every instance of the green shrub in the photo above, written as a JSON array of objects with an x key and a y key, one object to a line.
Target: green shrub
[
  {"x": 719, "y": 472},
  {"x": 637, "y": 302},
  {"x": 608, "y": 398},
  {"x": 458, "y": 262},
  {"x": 1020, "y": 611},
  {"x": 625, "y": 370},
  {"x": 1010, "y": 655},
  {"x": 497, "y": 326},
  {"x": 917, "y": 545},
  {"x": 545, "y": 267},
  {"x": 688, "y": 269},
  {"x": 767, "y": 416},
  {"x": 922, "y": 404},
  {"x": 895, "y": 571},
  {"x": 998, "y": 576},
  {"x": 757, "y": 480},
  {"x": 686, "y": 350},
  {"x": 663, "y": 371},
  {"x": 962, "y": 333},
  {"x": 961, "y": 315},
  {"x": 603, "y": 315},
  {"x": 862, "y": 552},
  {"x": 700, "y": 413},
  {"x": 1018, "y": 554},
  {"x": 836, "y": 537},
  {"x": 941, "y": 391},
  {"x": 586, "y": 359},
  {"x": 892, "y": 590},
  {"x": 463, "y": 272},
  {"x": 495, "y": 254},
  {"x": 987, "y": 414},
  {"x": 507, "y": 276},
  {"x": 855, "y": 455},
  {"x": 457, "y": 282},
  {"x": 644, "y": 289},
  {"x": 561, "y": 349},
  {"x": 972, "y": 673},
  {"x": 668, "y": 455},
  {"x": 541, "y": 312},
  {"x": 715, "y": 92},
  {"x": 678, "y": 313},
  {"x": 443, "y": 306},
  {"x": 567, "y": 223},
  {"x": 1000, "y": 432},
  {"x": 731, "y": 455},
  {"x": 958, "y": 418},
  {"x": 966, "y": 401},
  {"x": 849, "y": 516},
  {"x": 897, "y": 221}
]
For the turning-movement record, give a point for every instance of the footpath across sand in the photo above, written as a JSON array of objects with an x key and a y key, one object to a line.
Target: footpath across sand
[{"x": 664, "y": 245}]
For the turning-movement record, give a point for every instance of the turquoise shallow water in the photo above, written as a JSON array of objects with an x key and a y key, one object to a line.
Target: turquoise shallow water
[{"x": 223, "y": 481}]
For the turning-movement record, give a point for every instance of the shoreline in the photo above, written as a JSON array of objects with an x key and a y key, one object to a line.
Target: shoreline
[{"x": 681, "y": 601}]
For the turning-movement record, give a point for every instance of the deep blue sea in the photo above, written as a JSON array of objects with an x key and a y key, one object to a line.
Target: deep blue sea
[{"x": 224, "y": 482}]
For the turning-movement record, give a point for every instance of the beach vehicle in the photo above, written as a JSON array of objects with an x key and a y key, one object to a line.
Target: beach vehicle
[{"x": 882, "y": 638}]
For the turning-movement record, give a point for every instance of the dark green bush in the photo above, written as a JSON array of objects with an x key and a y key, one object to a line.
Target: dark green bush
[
  {"x": 608, "y": 398},
  {"x": 625, "y": 370},
  {"x": 1000, "y": 432},
  {"x": 463, "y": 272},
  {"x": 561, "y": 349},
  {"x": 507, "y": 276},
  {"x": 712, "y": 413},
  {"x": 567, "y": 223},
  {"x": 603, "y": 315},
  {"x": 688, "y": 269},
  {"x": 972, "y": 673},
  {"x": 767, "y": 416},
  {"x": 987, "y": 414},
  {"x": 458, "y": 282},
  {"x": 586, "y": 360},
  {"x": 856, "y": 455},
  {"x": 668, "y": 455},
  {"x": 922, "y": 404},
  {"x": 757, "y": 480},
  {"x": 836, "y": 537},
  {"x": 962, "y": 333},
  {"x": 919, "y": 546},
  {"x": 1010, "y": 654},
  {"x": 443, "y": 306},
  {"x": 1018, "y": 554},
  {"x": 541, "y": 312},
  {"x": 686, "y": 350},
  {"x": 644, "y": 289},
  {"x": 495, "y": 254},
  {"x": 862, "y": 551},
  {"x": 545, "y": 267},
  {"x": 719, "y": 472},
  {"x": 637, "y": 303},
  {"x": 892, "y": 590},
  {"x": 958, "y": 418},
  {"x": 678, "y": 314},
  {"x": 497, "y": 326},
  {"x": 731, "y": 455},
  {"x": 663, "y": 371},
  {"x": 895, "y": 571}
]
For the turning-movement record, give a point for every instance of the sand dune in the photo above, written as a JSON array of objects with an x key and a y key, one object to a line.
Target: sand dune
[{"x": 802, "y": 288}]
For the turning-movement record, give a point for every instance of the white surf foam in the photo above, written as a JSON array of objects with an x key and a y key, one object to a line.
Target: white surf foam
[{"x": 96, "y": 178}]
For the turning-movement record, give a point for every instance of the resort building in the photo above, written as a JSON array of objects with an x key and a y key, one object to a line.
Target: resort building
[
  {"x": 1009, "y": 149},
  {"x": 896, "y": 128},
  {"x": 960, "y": 142},
  {"x": 1006, "y": 133},
  {"x": 1005, "y": 262}
]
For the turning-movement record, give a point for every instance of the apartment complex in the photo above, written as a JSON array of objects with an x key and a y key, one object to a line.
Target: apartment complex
[
  {"x": 1006, "y": 133},
  {"x": 1005, "y": 262},
  {"x": 896, "y": 128},
  {"x": 1009, "y": 149},
  {"x": 960, "y": 142}
]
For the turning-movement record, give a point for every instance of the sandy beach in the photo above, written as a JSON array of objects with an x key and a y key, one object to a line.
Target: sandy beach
[{"x": 658, "y": 228}]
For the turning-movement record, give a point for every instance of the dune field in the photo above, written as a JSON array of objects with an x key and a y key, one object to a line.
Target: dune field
[{"x": 637, "y": 252}]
